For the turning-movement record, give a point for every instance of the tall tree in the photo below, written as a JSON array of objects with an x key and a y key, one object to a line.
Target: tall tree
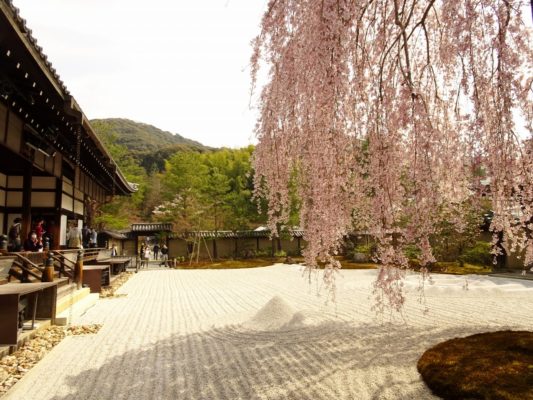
[
  {"x": 185, "y": 175},
  {"x": 417, "y": 89},
  {"x": 120, "y": 212}
]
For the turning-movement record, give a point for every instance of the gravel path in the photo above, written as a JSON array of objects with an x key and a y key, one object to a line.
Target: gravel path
[{"x": 179, "y": 334}]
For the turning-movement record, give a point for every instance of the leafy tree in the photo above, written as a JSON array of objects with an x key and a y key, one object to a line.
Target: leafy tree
[
  {"x": 120, "y": 212},
  {"x": 184, "y": 176}
]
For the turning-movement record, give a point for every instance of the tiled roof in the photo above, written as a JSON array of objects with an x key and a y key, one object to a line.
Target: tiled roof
[
  {"x": 235, "y": 234},
  {"x": 149, "y": 227},
  {"x": 115, "y": 235}
]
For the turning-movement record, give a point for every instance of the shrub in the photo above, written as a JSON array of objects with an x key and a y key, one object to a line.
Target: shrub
[
  {"x": 478, "y": 255},
  {"x": 411, "y": 251},
  {"x": 280, "y": 253},
  {"x": 267, "y": 252},
  {"x": 361, "y": 253}
]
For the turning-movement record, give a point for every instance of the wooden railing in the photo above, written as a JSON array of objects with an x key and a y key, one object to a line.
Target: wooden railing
[
  {"x": 70, "y": 263},
  {"x": 27, "y": 264},
  {"x": 95, "y": 254},
  {"x": 41, "y": 266},
  {"x": 65, "y": 262}
]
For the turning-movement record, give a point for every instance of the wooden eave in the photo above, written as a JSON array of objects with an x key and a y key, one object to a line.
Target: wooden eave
[
  {"x": 61, "y": 110},
  {"x": 18, "y": 25}
]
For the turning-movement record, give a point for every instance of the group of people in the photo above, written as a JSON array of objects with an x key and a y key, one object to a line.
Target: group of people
[
  {"x": 90, "y": 237},
  {"x": 81, "y": 239},
  {"x": 76, "y": 238},
  {"x": 34, "y": 240},
  {"x": 145, "y": 254}
]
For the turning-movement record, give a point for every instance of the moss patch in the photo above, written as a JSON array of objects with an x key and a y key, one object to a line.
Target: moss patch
[
  {"x": 346, "y": 264},
  {"x": 229, "y": 264},
  {"x": 495, "y": 365}
]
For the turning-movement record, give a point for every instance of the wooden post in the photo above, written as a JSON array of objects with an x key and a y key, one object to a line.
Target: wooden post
[
  {"x": 207, "y": 249},
  {"x": 56, "y": 228},
  {"x": 3, "y": 242},
  {"x": 46, "y": 243},
  {"x": 78, "y": 270},
  {"x": 215, "y": 250},
  {"x": 48, "y": 274},
  {"x": 26, "y": 202}
]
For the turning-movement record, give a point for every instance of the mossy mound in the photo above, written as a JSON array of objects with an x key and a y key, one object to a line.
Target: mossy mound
[{"x": 495, "y": 365}]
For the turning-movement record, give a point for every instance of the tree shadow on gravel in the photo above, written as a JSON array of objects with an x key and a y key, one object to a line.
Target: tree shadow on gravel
[{"x": 335, "y": 360}]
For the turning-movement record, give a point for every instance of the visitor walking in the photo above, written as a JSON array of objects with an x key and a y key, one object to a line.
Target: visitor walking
[
  {"x": 39, "y": 228},
  {"x": 156, "y": 251},
  {"x": 86, "y": 235},
  {"x": 142, "y": 253},
  {"x": 93, "y": 240},
  {"x": 74, "y": 239},
  {"x": 15, "y": 242},
  {"x": 164, "y": 255}
]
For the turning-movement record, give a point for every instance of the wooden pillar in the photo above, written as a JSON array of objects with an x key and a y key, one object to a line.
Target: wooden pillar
[
  {"x": 48, "y": 274},
  {"x": 26, "y": 201},
  {"x": 56, "y": 228},
  {"x": 76, "y": 182},
  {"x": 215, "y": 250},
  {"x": 78, "y": 270}
]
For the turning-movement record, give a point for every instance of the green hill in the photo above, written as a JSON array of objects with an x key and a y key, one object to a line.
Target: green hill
[
  {"x": 140, "y": 138},
  {"x": 148, "y": 145}
]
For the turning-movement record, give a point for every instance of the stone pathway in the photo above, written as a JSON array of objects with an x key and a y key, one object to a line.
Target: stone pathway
[{"x": 184, "y": 334}]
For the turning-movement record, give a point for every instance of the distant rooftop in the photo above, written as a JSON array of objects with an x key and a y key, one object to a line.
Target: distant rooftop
[{"x": 151, "y": 227}]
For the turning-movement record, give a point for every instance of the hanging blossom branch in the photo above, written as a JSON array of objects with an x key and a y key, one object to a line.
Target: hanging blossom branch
[{"x": 382, "y": 106}]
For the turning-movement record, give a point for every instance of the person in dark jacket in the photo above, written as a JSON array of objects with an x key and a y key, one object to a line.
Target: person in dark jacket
[
  {"x": 33, "y": 243},
  {"x": 15, "y": 243},
  {"x": 164, "y": 255}
]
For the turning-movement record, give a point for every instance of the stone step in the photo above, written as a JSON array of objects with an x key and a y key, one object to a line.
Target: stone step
[
  {"x": 66, "y": 290},
  {"x": 71, "y": 314},
  {"x": 70, "y": 297}
]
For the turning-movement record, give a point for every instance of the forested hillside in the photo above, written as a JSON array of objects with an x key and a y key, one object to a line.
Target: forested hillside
[
  {"x": 148, "y": 145},
  {"x": 139, "y": 137},
  {"x": 180, "y": 181}
]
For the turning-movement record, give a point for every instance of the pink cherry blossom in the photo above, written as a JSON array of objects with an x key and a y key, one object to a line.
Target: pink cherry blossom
[{"x": 379, "y": 110}]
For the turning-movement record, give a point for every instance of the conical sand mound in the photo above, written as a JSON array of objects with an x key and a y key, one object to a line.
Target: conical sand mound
[{"x": 276, "y": 314}]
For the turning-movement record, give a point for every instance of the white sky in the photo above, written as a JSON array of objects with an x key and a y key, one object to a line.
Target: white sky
[{"x": 182, "y": 66}]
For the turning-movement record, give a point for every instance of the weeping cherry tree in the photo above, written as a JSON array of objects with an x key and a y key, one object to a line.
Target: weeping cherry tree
[{"x": 384, "y": 108}]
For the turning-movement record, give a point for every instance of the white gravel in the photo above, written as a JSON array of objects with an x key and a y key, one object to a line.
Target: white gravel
[{"x": 264, "y": 333}]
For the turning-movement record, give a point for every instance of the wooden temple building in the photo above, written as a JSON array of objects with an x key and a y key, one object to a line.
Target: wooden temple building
[
  {"x": 52, "y": 164},
  {"x": 53, "y": 167}
]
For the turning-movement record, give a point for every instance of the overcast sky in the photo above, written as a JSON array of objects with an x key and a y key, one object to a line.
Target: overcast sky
[{"x": 182, "y": 66}]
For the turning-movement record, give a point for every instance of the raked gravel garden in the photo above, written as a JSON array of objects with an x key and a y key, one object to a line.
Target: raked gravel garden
[{"x": 267, "y": 333}]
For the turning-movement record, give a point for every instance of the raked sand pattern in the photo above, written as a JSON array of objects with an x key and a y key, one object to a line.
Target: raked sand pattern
[{"x": 265, "y": 334}]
